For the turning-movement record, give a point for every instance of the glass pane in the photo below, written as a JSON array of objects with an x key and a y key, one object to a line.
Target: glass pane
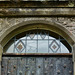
[
  {"x": 10, "y": 49},
  {"x": 54, "y": 46},
  {"x": 64, "y": 49},
  {"x": 22, "y": 38},
  {"x": 31, "y": 36},
  {"x": 37, "y": 43},
  {"x": 43, "y": 35},
  {"x": 51, "y": 37},
  {"x": 42, "y": 46},
  {"x": 20, "y": 46},
  {"x": 31, "y": 46}
]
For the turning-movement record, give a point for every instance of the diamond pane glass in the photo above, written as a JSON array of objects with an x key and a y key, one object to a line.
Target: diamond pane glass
[
  {"x": 43, "y": 35},
  {"x": 20, "y": 46},
  {"x": 38, "y": 42},
  {"x": 54, "y": 46},
  {"x": 31, "y": 36}
]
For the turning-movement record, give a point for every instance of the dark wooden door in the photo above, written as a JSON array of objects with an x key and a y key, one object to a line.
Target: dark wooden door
[{"x": 51, "y": 64}]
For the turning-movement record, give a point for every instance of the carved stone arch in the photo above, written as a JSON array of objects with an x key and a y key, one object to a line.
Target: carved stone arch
[{"x": 34, "y": 24}]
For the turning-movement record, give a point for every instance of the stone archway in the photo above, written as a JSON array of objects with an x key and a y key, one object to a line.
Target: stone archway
[{"x": 34, "y": 24}]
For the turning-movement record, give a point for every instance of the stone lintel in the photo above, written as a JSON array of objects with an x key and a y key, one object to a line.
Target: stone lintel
[
  {"x": 36, "y": 12},
  {"x": 36, "y": 3}
]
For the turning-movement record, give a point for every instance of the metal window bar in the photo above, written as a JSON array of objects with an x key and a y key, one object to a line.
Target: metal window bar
[{"x": 37, "y": 42}]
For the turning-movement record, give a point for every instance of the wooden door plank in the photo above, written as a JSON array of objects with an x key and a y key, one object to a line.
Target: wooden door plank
[
  {"x": 32, "y": 65},
  {"x": 23, "y": 65},
  {"x": 58, "y": 67},
  {"x": 13, "y": 65},
  {"x": 52, "y": 70},
  {"x": 46, "y": 66},
  {"x": 9, "y": 66},
  {"x": 4, "y": 66},
  {"x": 39, "y": 65},
  {"x": 67, "y": 66}
]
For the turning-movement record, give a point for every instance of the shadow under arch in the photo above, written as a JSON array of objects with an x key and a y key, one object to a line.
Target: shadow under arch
[{"x": 34, "y": 24}]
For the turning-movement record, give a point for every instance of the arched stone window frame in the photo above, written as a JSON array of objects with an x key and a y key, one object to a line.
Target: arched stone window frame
[
  {"x": 40, "y": 24},
  {"x": 37, "y": 41}
]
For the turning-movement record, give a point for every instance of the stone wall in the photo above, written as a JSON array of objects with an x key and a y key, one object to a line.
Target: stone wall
[
  {"x": 69, "y": 23},
  {"x": 8, "y": 23},
  {"x": 11, "y": 17}
]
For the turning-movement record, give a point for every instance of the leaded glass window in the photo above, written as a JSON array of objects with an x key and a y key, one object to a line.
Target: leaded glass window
[{"x": 38, "y": 41}]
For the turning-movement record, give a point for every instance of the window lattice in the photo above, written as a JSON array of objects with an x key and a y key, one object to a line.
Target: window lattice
[{"x": 37, "y": 42}]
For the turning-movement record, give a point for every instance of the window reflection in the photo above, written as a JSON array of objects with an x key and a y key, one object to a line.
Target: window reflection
[
  {"x": 31, "y": 46},
  {"x": 42, "y": 46}
]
